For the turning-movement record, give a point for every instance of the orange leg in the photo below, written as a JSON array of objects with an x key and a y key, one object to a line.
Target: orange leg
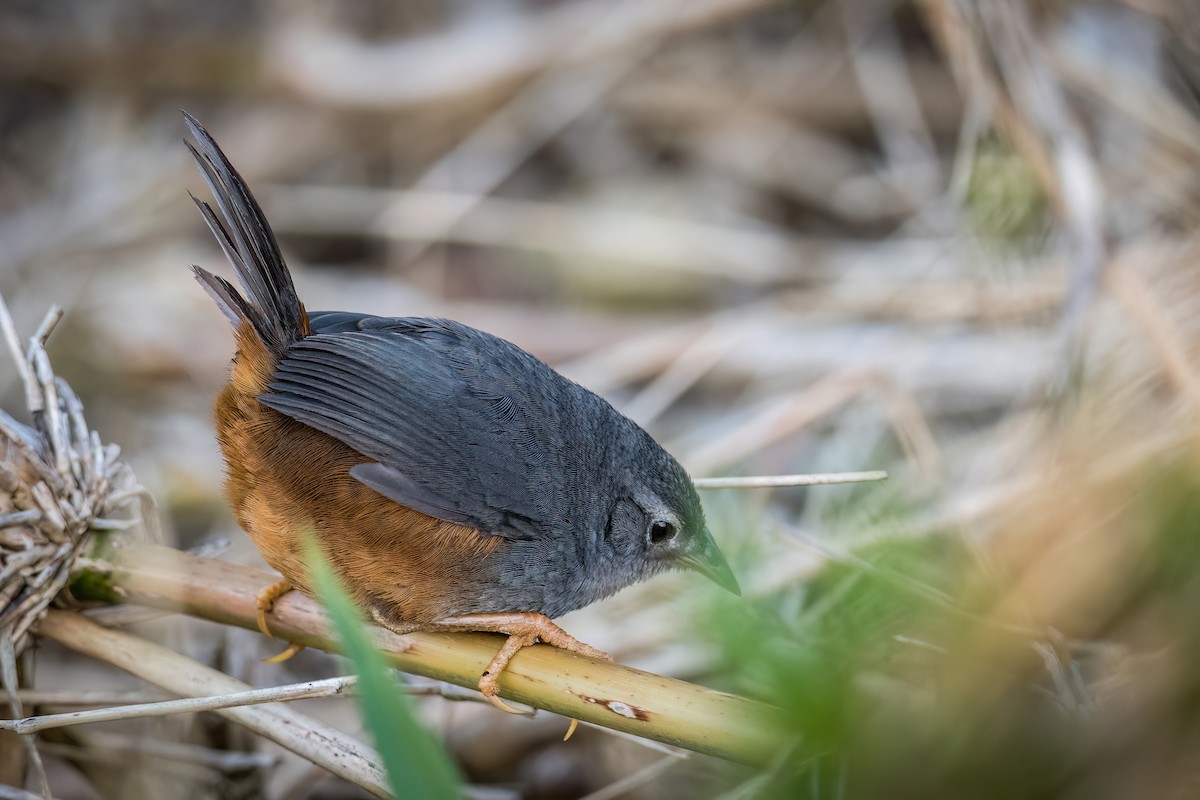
[
  {"x": 263, "y": 602},
  {"x": 523, "y": 629}
]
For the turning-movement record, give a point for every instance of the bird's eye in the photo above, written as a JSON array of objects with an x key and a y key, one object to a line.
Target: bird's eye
[{"x": 661, "y": 531}]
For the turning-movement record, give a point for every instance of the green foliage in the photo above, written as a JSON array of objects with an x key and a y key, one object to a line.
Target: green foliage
[
  {"x": 903, "y": 670},
  {"x": 807, "y": 645},
  {"x": 417, "y": 766},
  {"x": 1005, "y": 203}
]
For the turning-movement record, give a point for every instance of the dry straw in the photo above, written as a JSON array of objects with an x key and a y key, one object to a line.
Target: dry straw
[{"x": 59, "y": 484}]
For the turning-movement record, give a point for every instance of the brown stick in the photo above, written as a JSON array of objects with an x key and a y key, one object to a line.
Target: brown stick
[{"x": 641, "y": 703}]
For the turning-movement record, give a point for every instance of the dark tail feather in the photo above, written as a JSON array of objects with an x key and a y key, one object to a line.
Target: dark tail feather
[{"x": 274, "y": 309}]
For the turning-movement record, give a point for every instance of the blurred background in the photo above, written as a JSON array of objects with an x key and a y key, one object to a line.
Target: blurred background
[{"x": 953, "y": 239}]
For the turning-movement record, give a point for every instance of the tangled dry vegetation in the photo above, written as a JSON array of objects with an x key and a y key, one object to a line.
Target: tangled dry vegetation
[{"x": 954, "y": 239}]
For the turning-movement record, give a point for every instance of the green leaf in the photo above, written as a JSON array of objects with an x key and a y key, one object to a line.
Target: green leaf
[{"x": 416, "y": 764}]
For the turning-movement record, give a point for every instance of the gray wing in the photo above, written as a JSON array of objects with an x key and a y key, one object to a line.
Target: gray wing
[{"x": 463, "y": 426}]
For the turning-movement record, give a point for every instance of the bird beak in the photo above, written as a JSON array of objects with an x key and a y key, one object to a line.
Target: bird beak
[{"x": 706, "y": 559}]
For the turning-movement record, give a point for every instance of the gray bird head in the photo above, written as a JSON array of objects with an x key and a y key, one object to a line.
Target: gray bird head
[{"x": 657, "y": 520}]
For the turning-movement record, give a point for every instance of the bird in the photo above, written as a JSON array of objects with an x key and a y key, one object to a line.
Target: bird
[{"x": 454, "y": 481}]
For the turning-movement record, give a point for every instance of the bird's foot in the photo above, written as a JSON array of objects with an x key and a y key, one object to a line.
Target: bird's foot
[
  {"x": 263, "y": 602},
  {"x": 523, "y": 629}
]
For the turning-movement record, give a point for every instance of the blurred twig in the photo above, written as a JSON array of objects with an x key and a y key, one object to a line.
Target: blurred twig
[
  {"x": 119, "y": 748},
  {"x": 766, "y": 481},
  {"x": 743, "y": 254},
  {"x": 339, "y": 70},
  {"x": 13, "y": 793},
  {"x": 1132, "y": 292},
  {"x": 631, "y": 782}
]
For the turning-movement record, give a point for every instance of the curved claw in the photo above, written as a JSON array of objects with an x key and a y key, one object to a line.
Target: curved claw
[
  {"x": 489, "y": 687},
  {"x": 261, "y": 616},
  {"x": 571, "y": 730},
  {"x": 292, "y": 650},
  {"x": 495, "y": 700}
]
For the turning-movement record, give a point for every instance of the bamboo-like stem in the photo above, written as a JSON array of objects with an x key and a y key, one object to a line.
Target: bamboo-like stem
[
  {"x": 606, "y": 694},
  {"x": 316, "y": 741},
  {"x": 772, "y": 481}
]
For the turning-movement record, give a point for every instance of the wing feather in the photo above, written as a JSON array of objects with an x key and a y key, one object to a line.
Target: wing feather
[{"x": 461, "y": 425}]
